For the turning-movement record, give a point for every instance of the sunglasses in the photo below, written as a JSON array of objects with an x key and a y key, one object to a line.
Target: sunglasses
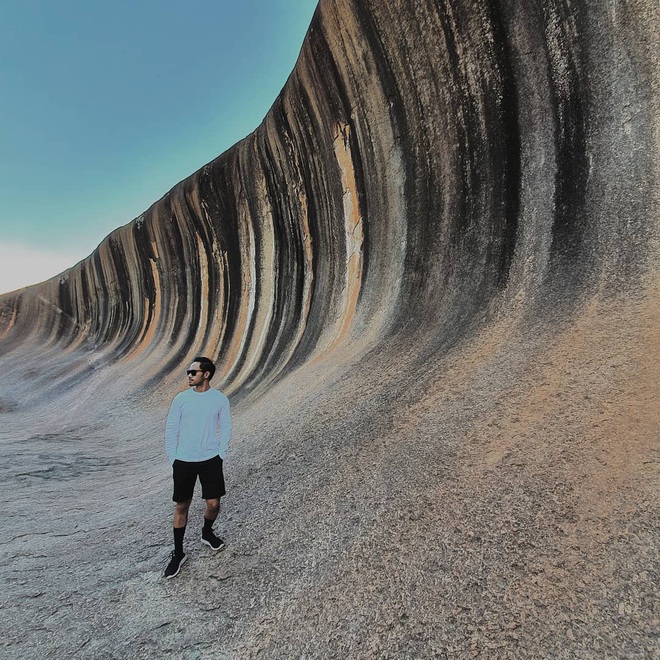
[{"x": 192, "y": 372}]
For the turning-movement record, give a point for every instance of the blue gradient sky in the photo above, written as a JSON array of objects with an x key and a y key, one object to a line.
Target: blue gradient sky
[{"x": 106, "y": 106}]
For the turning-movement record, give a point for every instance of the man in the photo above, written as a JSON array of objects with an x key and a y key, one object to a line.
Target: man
[{"x": 197, "y": 435}]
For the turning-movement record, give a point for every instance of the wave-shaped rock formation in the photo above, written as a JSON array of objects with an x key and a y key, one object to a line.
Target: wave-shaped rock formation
[{"x": 430, "y": 281}]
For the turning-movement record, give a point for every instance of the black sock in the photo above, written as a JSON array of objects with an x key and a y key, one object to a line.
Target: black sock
[
  {"x": 208, "y": 525},
  {"x": 178, "y": 540}
]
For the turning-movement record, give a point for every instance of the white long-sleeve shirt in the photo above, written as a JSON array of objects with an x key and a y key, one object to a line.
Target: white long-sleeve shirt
[{"x": 198, "y": 426}]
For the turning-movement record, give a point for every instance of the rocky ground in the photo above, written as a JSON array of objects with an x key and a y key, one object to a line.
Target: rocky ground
[{"x": 506, "y": 507}]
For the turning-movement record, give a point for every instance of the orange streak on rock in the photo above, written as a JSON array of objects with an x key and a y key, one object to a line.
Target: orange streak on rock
[
  {"x": 353, "y": 234},
  {"x": 203, "y": 302},
  {"x": 308, "y": 254},
  {"x": 10, "y": 323}
]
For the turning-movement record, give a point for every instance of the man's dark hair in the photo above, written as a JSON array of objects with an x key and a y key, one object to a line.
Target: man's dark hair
[{"x": 205, "y": 365}]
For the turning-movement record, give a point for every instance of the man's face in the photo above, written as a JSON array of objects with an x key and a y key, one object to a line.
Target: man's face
[{"x": 196, "y": 378}]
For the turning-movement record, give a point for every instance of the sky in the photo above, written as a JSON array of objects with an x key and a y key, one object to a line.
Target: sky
[{"x": 107, "y": 105}]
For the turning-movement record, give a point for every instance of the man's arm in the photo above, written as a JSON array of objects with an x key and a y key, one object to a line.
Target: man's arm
[
  {"x": 172, "y": 430},
  {"x": 224, "y": 428}
]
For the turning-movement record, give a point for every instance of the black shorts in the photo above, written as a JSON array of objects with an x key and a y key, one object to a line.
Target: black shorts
[{"x": 210, "y": 475}]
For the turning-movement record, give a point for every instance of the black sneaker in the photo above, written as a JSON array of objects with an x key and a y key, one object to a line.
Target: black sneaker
[
  {"x": 213, "y": 541},
  {"x": 176, "y": 562}
]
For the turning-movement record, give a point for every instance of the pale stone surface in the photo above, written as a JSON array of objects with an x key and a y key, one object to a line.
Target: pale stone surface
[{"x": 431, "y": 281}]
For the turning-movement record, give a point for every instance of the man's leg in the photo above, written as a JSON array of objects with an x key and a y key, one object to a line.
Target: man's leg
[
  {"x": 178, "y": 557},
  {"x": 210, "y": 514},
  {"x": 184, "y": 476},
  {"x": 180, "y": 522},
  {"x": 213, "y": 488}
]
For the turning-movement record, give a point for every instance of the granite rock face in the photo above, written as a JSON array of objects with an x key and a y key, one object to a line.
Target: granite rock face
[
  {"x": 422, "y": 164},
  {"x": 430, "y": 280}
]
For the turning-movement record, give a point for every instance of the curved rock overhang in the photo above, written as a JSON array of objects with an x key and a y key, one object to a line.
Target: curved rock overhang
[{"x": 429, "y": 165}]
